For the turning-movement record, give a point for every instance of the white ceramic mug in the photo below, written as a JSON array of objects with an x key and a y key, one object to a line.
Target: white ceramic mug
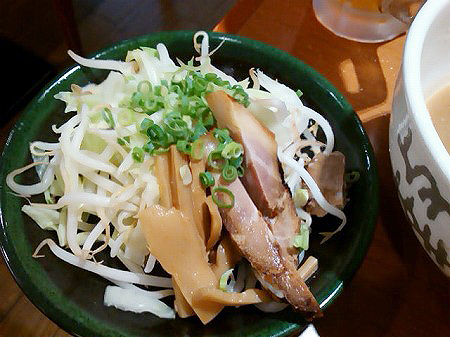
[{"x": 420, "y": 162}]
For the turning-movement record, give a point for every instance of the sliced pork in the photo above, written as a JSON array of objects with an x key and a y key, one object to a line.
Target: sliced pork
[
  {"x": 260, "y": 151},
  {"x": 262, "y": 177},
  {"x": 253, "y": 237},
  {"x": 328, "y": 172},
  {"x": 263, "y": 221}
]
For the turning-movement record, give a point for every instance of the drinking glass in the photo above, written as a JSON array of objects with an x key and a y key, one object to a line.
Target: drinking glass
[{"x": 366, "y": 20}]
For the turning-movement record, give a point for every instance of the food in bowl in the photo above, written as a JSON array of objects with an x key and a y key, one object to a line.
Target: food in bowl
[{"x": 161, "y": 155}]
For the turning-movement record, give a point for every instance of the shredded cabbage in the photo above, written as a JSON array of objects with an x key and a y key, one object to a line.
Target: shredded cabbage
[{"x": 137, "y": 300}]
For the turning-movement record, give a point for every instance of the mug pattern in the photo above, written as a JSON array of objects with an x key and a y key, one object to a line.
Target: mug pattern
[{"x": 436, "y": 205}]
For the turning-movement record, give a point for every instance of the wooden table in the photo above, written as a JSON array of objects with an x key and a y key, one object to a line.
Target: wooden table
[{"x": 398, "y": 291}]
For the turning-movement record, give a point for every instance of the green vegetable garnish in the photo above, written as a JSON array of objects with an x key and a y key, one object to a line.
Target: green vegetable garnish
[
  {"x": 207, "y": 179},
  {"x": 229, "y": 173},
  {"x": 125, "y": 116},
  {"x": 108, "y": 118},
  {"x": 177, "y": 128},
  {"x": 240, "y": 171},
  {"x": 219, "y": 193},
  {"x": 185, "y": 118},
  {"x": 197, "y": 149},
  {"x": 222, "y": 135},
  {"x": 157, "y": 136},
  {"x": 149, "y": 147},
  {"x": 184, "y": 147},
  {"x": 215, "y": 160},
  {"x": 301, "y": 240},
  {"x": 121, "y": 141},
  {"x": 223, "y": 282},
  {"x": 145, "y": 124},
  {"x": 138, "y": 154},
  {"x": 232, "y": 150}
]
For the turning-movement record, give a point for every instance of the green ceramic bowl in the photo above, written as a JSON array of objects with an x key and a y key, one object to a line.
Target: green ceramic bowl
[{"x": 73, "y": 298}]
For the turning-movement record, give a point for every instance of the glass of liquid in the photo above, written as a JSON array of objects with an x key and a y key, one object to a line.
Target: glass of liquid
[{"x": 366, "y": 20}]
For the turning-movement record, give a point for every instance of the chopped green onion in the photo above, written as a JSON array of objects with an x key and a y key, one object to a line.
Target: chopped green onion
[
  {"x": 189, "y": 85},
  {"x": 183, "y": 146},
  {"x": 219, "y": 148},
  {"x": 136, "y": 101},
  {"x": 144, "y": 87},
  {"x": 48, "y": 197},
  {"x": 215, "y": 160},
  {"x": 174, "y": 114},
  {"x": 157, "y": 135},
  {"x": 221, "y": 83},
  {"x": 121, "y": 141},
  {"x": 229, "y": 173},
  {"x": 207, "y": 179},
  {"x": 208, "y": 121},
  {"x": 108, "y": 118},
  {"x": 232, "y": 150},
  {"x": 240, "y": 95},
  {"x": 301, "y": 240},
  {"x": 236, "y": 162},
  {"x": 222, "y": 135},
  {"x": 299, "y": 93},
  {"x": 138, "y": 154},
  {"x": 240, "y": 171},
  {"x": 125, "y": 116},
  {"x": 177, "y": 128},
  {"x": 164, "y": 83},
  {"x": 145, "y": 124},
  {"x": 199, "y": 130},
  {"x": 176, "y": 88},
  {"x": 160, "y": 150},
  {"x": 149, "y": 147},
  {"x": 199, "y": 84},
  {"x": 218, "y": 193},
  {"x": 197, "y": 149},
  {"x": 184, "y": 104},
  {"x": 186, "y": 114},
  {"x": 157, "y": 90},
  {"x": 211, "y": 76},
  {"x": 152, "y": 104},
  {"x": 188, "y": 120},
  {"x": 223, "y": 282}
]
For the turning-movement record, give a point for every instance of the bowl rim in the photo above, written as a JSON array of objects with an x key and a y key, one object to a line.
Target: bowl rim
[{"x": 412, "y": 57}]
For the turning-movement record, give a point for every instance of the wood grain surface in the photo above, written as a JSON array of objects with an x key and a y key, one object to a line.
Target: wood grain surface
[{"x": 398, "y": 291}]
